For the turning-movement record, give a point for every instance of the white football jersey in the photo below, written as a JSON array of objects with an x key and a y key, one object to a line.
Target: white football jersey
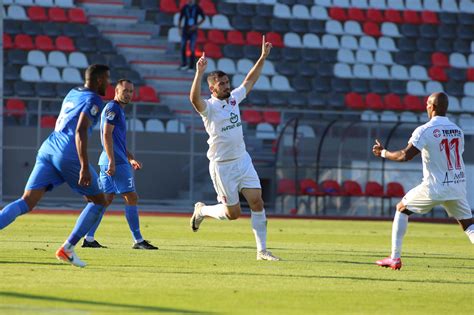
[
  {"x": 441, "y": 143},
  {"x": 224, "y": 127}
]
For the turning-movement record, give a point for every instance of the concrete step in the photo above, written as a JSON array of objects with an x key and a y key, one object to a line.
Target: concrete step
[
  {"x": 168, "y": 84},
  {"x": 122, "y": 36},
  {"x": 101, "y": 4},
  {"x": 153, "y": 68},
  {"x": 130, "y": 41},
  {"x": 112, "y": 19},
  {"x": 141, "y": 49},
  {"x": 141, "y": 27}
]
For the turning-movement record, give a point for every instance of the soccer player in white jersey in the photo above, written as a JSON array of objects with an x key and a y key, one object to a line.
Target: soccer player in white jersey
[
  {"x": 230, "y": 166},
  {"x": 441, "y": 143}
]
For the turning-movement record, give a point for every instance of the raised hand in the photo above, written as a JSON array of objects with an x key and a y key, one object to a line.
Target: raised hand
[
  {"x": 201, "y": 64},
  {"x": 266, "y": 47},
  {"x": 377, "y": 148}
]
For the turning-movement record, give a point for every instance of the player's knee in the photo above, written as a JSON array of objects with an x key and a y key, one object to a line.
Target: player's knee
[
  {"x": 256, "y": 205},
  {"x": 131, "y": 199}
]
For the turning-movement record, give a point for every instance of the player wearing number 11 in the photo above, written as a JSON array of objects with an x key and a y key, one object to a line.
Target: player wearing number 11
[{"x": 441, "y": 143}]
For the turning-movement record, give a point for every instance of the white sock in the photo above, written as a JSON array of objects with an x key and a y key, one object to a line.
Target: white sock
[
  {"x": 259, "y": 227},
  {"x": 217, "y": 211},
  {"x": 68, "y": 247},
  {"x": 139, "y": 240},
  {"x": 399, "y": 228},
  {"x": 90, "y": 238},
  {"x": 470, "y": 232}
]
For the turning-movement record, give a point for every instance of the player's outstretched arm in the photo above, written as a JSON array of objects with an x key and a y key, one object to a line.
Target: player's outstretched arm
[
  {"x": 81, "y": 139},
  {"x": 403, "y": 155},
  {"x": 254, "y": 73},
  {"x": 195, "y": 93},
  {"x": 109, "y": 147}
]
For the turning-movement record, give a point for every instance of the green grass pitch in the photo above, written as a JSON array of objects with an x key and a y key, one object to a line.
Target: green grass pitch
[{"x": 328, "y": 268}]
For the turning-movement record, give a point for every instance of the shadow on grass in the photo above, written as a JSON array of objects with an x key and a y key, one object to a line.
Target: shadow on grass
[
  {"x": 30, "y": 263},
  {"x": 130, "y": 307}
]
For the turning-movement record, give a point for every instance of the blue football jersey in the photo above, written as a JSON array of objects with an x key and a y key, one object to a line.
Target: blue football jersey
[
  {"x": 113, "y": 114},
  {"x": 62, "y": 140}
]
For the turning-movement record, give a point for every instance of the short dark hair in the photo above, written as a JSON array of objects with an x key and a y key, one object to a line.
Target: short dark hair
[
  {"x": 214, "y": 75},
  {"x": 120, "y": 81},
  {"x": 93, "y": 72}
]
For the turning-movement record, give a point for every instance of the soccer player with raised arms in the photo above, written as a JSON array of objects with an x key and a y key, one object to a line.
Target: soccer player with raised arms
[
  {"x": 230, "y": 166},
  {"x": 116, "y": 164},
  {"x": 441, "y": 143},
  {"x": 63, "y": 158}
]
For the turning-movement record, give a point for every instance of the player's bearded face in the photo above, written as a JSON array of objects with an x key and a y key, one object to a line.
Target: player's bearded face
[
  {"x": 222, "y": 88},
  {"x": 125, "y": 93}
]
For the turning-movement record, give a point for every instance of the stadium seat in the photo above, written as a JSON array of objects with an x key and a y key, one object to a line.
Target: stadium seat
[
  {"x": 57, "y": 59},
  {"x": 37, "y": 14},
  {"x": 252, "y": 117},
  {"x": 168, "y": 6},
  {"x": 15, "y": 108},
  {"x": 154, "y": 125},
  {"x": 216, "y": 37},
  {"x": 437, "y": 73},
  {"x": 272, "y": 117},
  {"x": 275, "y": 39},
  {"x": 440, "y": 59},
  {"x": 65, "y": 43},
  {"x": 30, "y": 74},
  {"x": 309, "y": 187},
  {"x": 372, "y": 29},
  {"x": 71, "y": 75},
  {"x": 48, "y": 121},
  {"x": 394, "y": 189},
  {"x": 16, "y": 12},
  {"x": 78, "y": 60},
  {"x": 175, "y": 126},
  {"x": 355, "y": 101},
  {"x": 212, "y": 51},
  {"x": 265, "y": 131},
  {"x": 429, "y": 17},
  {"x": 352, "y": 188},
  {"x": 45, "y": 89},
  {"x": 44, "y": 42},
  {"x": 286, "y": 187},
  {"x": 393, "y": 102},
  {"x": 51, "y": 74},
  {"x": 374, "y": 101},
  {"x": 37, "y": 58},
  {"x": 373, "y": 189},
  {"x": 413, "y": 103},
  {"x": 23, "y": 41},
  {"x": 208, "y": 7},
  {"x": 331, "y": 188},
  {"x": 57, "y": 15},
  {"x": 219, "y": 21}
]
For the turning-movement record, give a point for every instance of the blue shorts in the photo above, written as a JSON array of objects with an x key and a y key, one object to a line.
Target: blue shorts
[
  {"x": 122, "y": 181},
  {"x": 51, "y": 171}
]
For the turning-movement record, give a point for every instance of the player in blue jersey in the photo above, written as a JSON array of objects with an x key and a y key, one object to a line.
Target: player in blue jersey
[
  {"x": 63, "y": 158},
  {"x": 116, "y": 164}
]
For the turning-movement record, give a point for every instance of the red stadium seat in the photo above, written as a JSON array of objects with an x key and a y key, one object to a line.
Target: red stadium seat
[
  {"x": 109, "y": 93},
  {"x": 201, "y": 39},
  {"x": 7, "y": 41},
  {"x": 15, "y": 108},
  {"x": 309, "y": 187},
  {"x": 356, "y": 14},
  {"x": 413, "y": 103},
  {"x": 286, "y": 187},
  {"x": 470, "y": 74},
  {"x": 355, "y": 101},
  {"x": 393, "y": 16},
  {"x": 439, "y": 59},
  {"x": 352, "y": 188},
  {"x": 411, "y": 17},
  {"x": 23, "y": 41},
  {"x": 208, "y": 7},
  {"x": 44, "y": 42},
  {"x": 373, "y": 189},
  {"x": 77, "y": 15},
  {"x": 393, "y": 102},
  {"x": 37, "y": 14},
  {"x": 429, "y": 17},
  {"x": 65, "y": 43},
  {"x": 272, "y": 117},
  {"x": 338, "y": 14},
  {"x": 235, "y": 38},
  {"x": 275, "y": 39},
  {"x": 254, "y": 38},
  {"x": 372, "y": 29},
  {"x": 331, "y": 187},
  {"x": 168, "y": 6},
  {"x": 395, "y": 189},
  {"x": 375, "y": 15},
  {"x": 57, "y": 15},
  {"x": 252, "y": 117},
  {"x": 374, "y": 101},
  {"x": 437, "y": 73},
  {"x": 216, "y": 37},
  {"x": 212, "y": 51},
  {"x": 48, "y": 121},
  {"x": 148, "y": 94}
]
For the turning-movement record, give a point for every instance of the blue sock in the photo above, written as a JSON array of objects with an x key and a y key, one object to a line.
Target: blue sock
[
  {"x": 94, "y": 228},
  {"x": 11, "y": 211},
  {"x": 86, "y": 220},
  {"x": 131, "y": 213}
]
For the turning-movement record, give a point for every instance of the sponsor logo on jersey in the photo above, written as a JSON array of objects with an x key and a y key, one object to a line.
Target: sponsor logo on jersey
[
  {"x": 436, "y": 133},
  {"x": 233, "y": 102},
  {"x": 94, "y": 110},
  {"x": 110, "y": 115}
]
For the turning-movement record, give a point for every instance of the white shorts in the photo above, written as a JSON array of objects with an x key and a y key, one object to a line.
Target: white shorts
[
  {"x": 417, "y": 201},
  {"x": 229, "y": 178}
]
